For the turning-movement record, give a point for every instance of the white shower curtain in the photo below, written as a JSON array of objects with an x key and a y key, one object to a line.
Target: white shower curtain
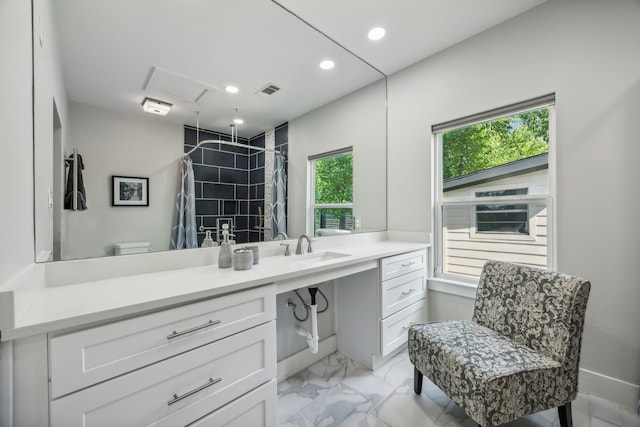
[
  {"x": 183, "y": 234},
  {"x": 278, "y": 197}
]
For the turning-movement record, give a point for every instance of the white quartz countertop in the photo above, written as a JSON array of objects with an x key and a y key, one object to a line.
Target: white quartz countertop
[{"x": 61, "y": 307}]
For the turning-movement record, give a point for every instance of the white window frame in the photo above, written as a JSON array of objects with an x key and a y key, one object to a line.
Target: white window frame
[
  {"x": 439, "y": 202},
  {"x": 311, "y": 201}
]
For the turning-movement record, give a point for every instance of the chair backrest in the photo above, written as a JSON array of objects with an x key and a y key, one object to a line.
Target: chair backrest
[{"x": 541, "y": 309}]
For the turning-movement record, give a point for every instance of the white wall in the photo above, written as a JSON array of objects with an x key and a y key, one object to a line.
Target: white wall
[
  {"x": 16, "y": 138},
  {"x": 356, "y": 120},
  {"x": 444, "y": 306},
  {"x": 113, "y": 143},
  {"x": 49, "y": 89},
  {"x": 16, "y": 173},
  {"x": 588, "y": 53}
]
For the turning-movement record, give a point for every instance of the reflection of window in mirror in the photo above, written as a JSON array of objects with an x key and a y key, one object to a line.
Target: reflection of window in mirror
[{"x": 331, "y": 192}]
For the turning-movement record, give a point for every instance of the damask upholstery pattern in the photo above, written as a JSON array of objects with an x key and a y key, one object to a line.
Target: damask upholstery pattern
[{"x": 520, "y": 353}]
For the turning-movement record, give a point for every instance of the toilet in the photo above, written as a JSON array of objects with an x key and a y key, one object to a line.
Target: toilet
[{"x": 127, "y": 248}]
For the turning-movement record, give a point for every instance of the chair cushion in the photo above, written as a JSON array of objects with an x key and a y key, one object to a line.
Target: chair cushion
[{"x": 486, "y": 373}]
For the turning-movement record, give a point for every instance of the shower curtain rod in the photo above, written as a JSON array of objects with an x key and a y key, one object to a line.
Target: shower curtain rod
[{"x": 235, "y": 144}]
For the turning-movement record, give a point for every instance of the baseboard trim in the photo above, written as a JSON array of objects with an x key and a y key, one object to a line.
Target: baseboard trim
[
  {"x": 609, "y": 388},
  {"x": 297, "y": 362}
]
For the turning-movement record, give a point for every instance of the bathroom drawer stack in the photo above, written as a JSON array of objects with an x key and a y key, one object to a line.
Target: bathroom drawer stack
[
  {"x": 402, "y": 297},
  {"x": 210, "y": 363},
  {"x": 377, "y": 307}
]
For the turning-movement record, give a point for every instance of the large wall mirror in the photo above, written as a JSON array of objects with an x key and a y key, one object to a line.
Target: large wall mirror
[{"x": 96, "y": 61}]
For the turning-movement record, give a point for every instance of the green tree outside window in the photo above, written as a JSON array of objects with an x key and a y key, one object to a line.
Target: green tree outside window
[
  {"x": 334, "y": 179},
  {"x": 497, "y": 142},
  {"x": 333, "y": 189}
]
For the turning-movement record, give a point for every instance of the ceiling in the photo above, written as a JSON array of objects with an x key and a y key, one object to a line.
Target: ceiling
[
  {"x": 416, "y": 29},
  {"x": 113, "y": 51}
]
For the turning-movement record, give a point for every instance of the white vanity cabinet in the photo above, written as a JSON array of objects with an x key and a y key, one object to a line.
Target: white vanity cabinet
[
  {"x": 377, "y": 307},
  {"x": 403, "y": 288},
  {"x": 174, "y": 367},
  {"x": 191, "y": 346}
]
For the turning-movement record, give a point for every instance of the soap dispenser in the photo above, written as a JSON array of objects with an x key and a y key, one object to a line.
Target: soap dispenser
[
  {"x": 208, "y": 241},
  {"x": 225, "y": 258}
]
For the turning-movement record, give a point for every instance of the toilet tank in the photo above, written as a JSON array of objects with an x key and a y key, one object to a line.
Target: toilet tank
[{"x": 127, "y": 248}]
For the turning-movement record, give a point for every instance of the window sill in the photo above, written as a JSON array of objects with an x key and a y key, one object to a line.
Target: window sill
[{"x": 454, "y": 287}]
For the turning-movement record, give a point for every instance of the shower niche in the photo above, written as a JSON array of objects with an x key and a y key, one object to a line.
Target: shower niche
[{"x": 233, "y": 184}]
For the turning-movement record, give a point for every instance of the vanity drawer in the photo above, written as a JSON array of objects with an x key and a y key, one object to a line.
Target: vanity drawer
[
  {"x": 394, "y": 328},
  {"x": 83, "y": 358},
  {"x": 402, "y": 264},
  {"x": 185, "y": 387},
  {"x": 255, "y": 409},
  {"x": 402, "y": 291}
]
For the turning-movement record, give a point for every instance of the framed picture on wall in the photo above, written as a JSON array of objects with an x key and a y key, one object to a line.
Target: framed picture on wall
[{"x": 129, "y": 191}]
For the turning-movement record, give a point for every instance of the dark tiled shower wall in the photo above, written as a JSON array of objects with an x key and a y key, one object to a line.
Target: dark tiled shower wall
[
  {"x": 221, "y": 182},
  {"x": 229, "y": 182}
]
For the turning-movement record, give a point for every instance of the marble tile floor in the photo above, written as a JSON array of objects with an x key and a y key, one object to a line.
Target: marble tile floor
[{"x": 337, "y": 392}]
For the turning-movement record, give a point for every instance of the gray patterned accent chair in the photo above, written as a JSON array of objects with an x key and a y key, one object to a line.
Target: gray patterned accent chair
[{"x": 520, "y": 352}]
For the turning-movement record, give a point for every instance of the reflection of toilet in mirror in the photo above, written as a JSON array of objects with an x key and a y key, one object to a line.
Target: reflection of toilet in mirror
[{"x": 127, "y": 248}]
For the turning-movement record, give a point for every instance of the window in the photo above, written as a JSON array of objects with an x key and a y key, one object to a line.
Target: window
[
  {"x": 492, "y": 196},
  {"x": 331, "y": 201},
  {"x": 498, "y": 218}
]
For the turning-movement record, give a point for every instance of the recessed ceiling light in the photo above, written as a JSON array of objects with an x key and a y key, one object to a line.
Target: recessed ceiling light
[
  {"x": 231, "y": 89},
  {"x": 376, "y": 33},
  {"x": 238, "y": 121},
  {"x": 155, "y": 106},
  {"x": 327, "y": 64}
]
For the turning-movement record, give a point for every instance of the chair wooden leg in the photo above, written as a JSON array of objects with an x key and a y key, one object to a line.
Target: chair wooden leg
[
  {"x": 417, "y": 381},
  {"x": 564, "y": 413}
]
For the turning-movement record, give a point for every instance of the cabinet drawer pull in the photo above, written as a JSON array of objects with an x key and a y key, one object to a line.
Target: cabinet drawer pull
[
  {"x": 407, "y": 264},
  {"x": 209, "y": 383},
  {"x": 409, "y": 292},
  {"x": 175, "y": 334},
  {"x": 406, "y": 328}
]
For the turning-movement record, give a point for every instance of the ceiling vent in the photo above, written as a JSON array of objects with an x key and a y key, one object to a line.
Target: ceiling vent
[
  {"x": 269, "y": 89},
  {"x": 178, "y": 86}
]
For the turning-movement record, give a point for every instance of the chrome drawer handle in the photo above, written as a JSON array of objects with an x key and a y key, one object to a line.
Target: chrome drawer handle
[
  {"x": 409, "y": 292},
  {"x": 406, "y": 328},
  {"x": 407, "y": 264},
  {"x": 177, "y": 398},
  {"x": 175, "y": 334}
]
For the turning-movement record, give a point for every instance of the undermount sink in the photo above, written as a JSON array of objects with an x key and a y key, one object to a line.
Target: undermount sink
[{"x": 317, "y": 258}]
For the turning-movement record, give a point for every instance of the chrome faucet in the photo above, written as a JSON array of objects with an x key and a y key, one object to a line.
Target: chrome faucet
[
  {"x": 299, "y": 247},
  {"x": 281, "y": 236},
  {"x": 286, "y": 249}
]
